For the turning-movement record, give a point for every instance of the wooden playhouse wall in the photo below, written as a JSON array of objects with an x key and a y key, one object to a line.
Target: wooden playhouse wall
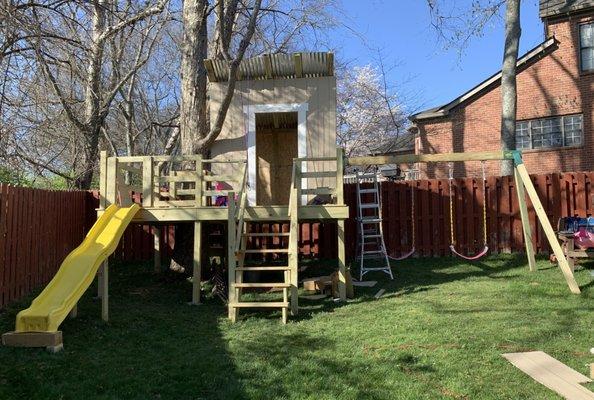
[{"x": 319, "y": 93}]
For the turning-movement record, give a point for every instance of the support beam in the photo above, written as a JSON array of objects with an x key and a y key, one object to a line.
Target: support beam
[
  {"x": 341, "y": 262},
  {"x": 426, "y": 158},
  {"x": 157, "y": 248},
  {"x": 525, "y": 221},
  {"x": 104, "y": 289},
  {"x": 547, "y": 228},
  {"x": 197, "y": 275}
]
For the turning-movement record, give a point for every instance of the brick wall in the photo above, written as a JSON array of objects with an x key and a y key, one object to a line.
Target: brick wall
[{"x": 551, "y": 86}]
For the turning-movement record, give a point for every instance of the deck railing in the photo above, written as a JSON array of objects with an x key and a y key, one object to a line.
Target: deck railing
[{"x": 168, "y": 181}]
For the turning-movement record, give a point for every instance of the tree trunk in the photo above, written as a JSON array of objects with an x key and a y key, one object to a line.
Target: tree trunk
[
  {"x": 508, "y": 82},
  {"x": 193, "y": 119}
]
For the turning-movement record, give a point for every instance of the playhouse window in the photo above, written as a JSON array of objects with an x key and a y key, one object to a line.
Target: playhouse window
[
  {"x": 549, "y": 132},
  {"x": 587, "y": 47}
]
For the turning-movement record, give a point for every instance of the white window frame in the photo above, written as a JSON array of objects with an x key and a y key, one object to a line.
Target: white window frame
[{"x": 250, "y": 112}]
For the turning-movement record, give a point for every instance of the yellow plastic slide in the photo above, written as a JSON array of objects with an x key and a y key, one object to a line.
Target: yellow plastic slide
[{"x": 76, "y": 273}]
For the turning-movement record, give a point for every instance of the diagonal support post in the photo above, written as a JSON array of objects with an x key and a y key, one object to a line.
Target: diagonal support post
[{"x": 522, "y": 173}]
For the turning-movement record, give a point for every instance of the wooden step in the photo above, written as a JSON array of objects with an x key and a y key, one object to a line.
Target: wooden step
[
  {"x": 261, "y": 251},
  {"x": 261, "y": 285},
  {"x": 260, "y": 304},
  {"x": 266, "y": 234},
  {"x": 264, "y": 268}
]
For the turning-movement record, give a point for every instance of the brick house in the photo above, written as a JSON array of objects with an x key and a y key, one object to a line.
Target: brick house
[{"x": 555, "y": 83}]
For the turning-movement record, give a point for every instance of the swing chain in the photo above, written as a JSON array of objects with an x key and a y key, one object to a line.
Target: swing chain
[
  {"x": 485, "y": 238},
  {"x": 450, "y": 179}
]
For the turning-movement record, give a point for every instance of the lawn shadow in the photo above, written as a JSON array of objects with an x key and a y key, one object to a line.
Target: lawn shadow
[{"x": 154, "y": 346}]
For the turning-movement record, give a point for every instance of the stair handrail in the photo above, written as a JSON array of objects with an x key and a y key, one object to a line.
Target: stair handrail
[{"x": 242, "y": 197}]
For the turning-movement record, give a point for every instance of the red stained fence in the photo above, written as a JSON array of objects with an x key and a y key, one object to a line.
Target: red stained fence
[
  {"x": 568, "y": 194},
  {"x": 38, "y": 228}
]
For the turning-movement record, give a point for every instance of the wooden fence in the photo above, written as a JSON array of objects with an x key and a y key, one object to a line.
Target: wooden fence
[
  {"x": 38, "y": 228},
  {"x": 568, "y": 194}
]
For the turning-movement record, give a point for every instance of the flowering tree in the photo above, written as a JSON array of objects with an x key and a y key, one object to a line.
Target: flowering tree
[{"x": 371, "y": 117}]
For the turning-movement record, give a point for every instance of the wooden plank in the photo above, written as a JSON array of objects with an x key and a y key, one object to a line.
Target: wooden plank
[
  {"x": 526, "y": 229},
  {"x": 147, "y": 182},
  {"x": 339, "y": 175},
  {"x": 330, "y": 63},
  {"x": 380, "y": 293},
  {"x": 210, "y": 70},
  {"x": 221, "y": 178},
  {"x": 551, "y": 373},
  {"x": 267, "y": 65},
  {"x": 425, "y": 158},
  {"x": 298, "y": 65},
  {"x": 32, "y": 339},
  {"x": 197, "y": 265},
  {"x": 231, "y": 261},
  {"x": 319, "y": 174},
  {"x": 157, "y": 248},
  {"x": 104, "y": 288},
  {"x": 548, "y": 229},
  {"x": 102, "y": 179},
  {"x": 318, "y": 191}
]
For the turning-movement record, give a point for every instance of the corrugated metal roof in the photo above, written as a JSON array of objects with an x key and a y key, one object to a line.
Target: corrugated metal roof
[{"x": 275, "y": 66}]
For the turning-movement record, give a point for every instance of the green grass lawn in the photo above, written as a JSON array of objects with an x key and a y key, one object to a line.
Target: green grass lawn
[{"x": 437, "y": 333}]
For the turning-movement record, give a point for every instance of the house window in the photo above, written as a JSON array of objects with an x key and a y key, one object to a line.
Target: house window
[
  {"x": 546, "y": 133},
  {"x": 587, "y": 47}
]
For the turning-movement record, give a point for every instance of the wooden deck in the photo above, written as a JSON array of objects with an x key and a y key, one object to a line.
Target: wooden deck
[{"x": 188, "y": 189}]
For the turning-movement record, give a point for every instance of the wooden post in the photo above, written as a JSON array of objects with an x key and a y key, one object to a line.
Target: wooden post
[
  {"x": 147, "y": 181},
  {"x": 547, "y": 228},
  {"x": 197, "y": 276},
  {"x": 339, "y": 175},
  {"x": 231, "y": 254},
  {"x": 104, "y": 288},
  {"x": 102, "y": 179},
  {"x": 525, "y": 221},
  {"x": 570, "y": 248},
  {"x": 157, "y": 248},
  {"x": 294, "y": 237},
  {"x": 111, "y": 185},
  {"x": 341, "y": 262},
  {"x": 198, "y": 183}
]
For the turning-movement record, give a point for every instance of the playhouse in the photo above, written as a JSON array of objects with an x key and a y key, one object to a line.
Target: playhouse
[{"x": 275, "y": 161}]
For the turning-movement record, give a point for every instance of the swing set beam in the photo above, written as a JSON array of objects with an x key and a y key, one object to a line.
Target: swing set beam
[{"x": 524, "y": 186}]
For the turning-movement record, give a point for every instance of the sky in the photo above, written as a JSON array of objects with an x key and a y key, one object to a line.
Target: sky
[{"x": 420, "y": 67}]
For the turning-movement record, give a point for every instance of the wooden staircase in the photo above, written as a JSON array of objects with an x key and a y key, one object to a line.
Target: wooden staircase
[
  {"x": 239, "y": 284},
  {"x": 239, "y": 237}
]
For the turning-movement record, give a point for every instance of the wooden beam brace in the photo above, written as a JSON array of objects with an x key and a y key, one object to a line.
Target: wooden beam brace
[
  {"x": 525, "y": 221},
  {"x": 547, "y": 228}
]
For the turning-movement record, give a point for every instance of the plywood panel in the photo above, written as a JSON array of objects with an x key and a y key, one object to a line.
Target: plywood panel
[{"x": 275, "y": 150}]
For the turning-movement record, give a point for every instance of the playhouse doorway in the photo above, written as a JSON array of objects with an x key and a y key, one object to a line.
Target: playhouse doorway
[{"x": 276, "y": 146}]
